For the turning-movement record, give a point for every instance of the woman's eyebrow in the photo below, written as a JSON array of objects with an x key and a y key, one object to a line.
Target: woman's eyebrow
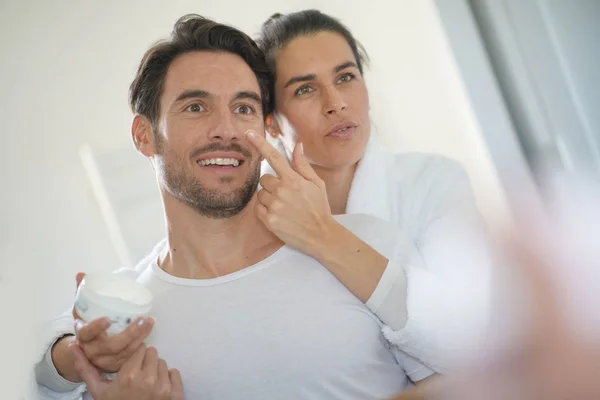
[
  {"x": 345, "y": 65},
  {"x": 311, "y": 77},
  {"x": 300, "y": 78}
]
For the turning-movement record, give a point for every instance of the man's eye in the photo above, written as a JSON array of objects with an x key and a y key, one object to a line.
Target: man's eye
[
  {"x": 194, "y": 108},
  {"x": 303, "y": 90},
  {"x": 244, "y": 109}
]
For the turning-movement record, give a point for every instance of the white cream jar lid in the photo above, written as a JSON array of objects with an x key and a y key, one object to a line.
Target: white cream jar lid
[{"x": 118, "y": 298}]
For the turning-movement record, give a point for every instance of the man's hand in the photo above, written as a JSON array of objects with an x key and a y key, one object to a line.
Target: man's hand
[
  {"x": 143, "y": 376},
  {"x": 107, "y": 353}
]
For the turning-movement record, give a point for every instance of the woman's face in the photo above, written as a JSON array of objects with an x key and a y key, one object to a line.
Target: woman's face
[{"x": 322, "y": 100}]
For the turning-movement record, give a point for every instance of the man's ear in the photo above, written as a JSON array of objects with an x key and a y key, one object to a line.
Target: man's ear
[
  {"x": 272, "y": 126},
  {"x": 142, "y": 135}
]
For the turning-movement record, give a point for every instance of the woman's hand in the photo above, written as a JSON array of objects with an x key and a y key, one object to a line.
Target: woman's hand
[{"x": 294, "y": 204}]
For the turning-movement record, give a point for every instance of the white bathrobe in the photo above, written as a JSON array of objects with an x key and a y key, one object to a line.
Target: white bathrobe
[{"x": 447, "y": 264}]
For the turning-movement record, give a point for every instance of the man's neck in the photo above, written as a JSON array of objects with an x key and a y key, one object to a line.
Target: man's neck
[
  {"x": 201, "y": 248},
  {"x": 338, "y": 183}
]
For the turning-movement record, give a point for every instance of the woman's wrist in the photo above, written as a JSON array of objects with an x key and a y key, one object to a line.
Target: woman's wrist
[
  {"x": 353, "y": 262},
  {"x": 324, "y": 244}
]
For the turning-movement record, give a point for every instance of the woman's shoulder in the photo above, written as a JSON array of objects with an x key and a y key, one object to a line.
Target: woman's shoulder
[{"x": 426, "y": 187}]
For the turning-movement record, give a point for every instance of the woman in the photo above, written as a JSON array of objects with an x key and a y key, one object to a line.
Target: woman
[{"x": 321, "y": 102}]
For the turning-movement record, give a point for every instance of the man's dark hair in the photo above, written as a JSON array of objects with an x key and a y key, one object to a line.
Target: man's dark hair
[{"x": 193, "y": 33}]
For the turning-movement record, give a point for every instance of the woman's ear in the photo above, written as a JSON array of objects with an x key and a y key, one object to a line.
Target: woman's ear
[
  {"x": 272, "y": 126},
  {"x": 142, "y": 135}
]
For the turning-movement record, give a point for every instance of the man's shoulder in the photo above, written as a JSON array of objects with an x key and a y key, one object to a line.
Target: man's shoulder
[
  {"x": 143, "y": 264},
  {"x": 151, "y": 257}
]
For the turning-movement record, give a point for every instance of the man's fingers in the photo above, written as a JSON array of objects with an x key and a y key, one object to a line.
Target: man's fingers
[
  {"x": 163, "y": 374},
  {"x": 134, "y": 363},
  {"x": 78, "y": 278},
  {"x": 270, "y": 153},
  {"x": 135, "y": 332},
  {"x": 95, "y": 382},
  {"x": 86, "y": 332},
  {"x": 176, "y": 384},
  {"x": 146, "y": 329},
  {"x": 150, "y": 364}
]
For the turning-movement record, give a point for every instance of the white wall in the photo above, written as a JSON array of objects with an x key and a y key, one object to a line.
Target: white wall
[
  {"x": 66, "y": 66},
  {"x": 419, "y": 101}
]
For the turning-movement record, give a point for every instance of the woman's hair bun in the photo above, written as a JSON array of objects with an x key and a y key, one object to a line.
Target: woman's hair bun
[{"x": 273, "y": 18}]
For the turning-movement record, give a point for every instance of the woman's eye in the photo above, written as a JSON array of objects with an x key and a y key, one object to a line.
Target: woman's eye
[
  {"x": 194, "y": 108},
  {"x": 244, "y": 109},
  {"x": 346, "y": 78},
  {"x": 303, "y": 90}
]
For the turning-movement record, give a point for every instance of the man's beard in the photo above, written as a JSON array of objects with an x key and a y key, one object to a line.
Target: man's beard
[{"x": 215, "y": 204}]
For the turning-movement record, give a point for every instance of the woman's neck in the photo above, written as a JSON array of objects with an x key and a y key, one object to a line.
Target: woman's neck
[{"x": 338, "y": 183}]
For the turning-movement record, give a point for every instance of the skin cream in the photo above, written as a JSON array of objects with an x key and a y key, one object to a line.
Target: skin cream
[{"x": 120, "y": 299}]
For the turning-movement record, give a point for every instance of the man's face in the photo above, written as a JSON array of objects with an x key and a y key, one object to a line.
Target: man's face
[{"x": 202, "y": 156}]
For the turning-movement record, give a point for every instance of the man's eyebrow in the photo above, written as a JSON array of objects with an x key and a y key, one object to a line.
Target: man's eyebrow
[
  {"x": 193, "y": 94},
  {"x": 249, "y": 95}
]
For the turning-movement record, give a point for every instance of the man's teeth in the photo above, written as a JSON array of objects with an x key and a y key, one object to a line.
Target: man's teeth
[
  {"x": 342, "y": 129},
  {"x": 220, "y": 161}
]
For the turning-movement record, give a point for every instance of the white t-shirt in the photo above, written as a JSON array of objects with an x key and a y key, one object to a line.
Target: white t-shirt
[{"x": 284, "y": 328}]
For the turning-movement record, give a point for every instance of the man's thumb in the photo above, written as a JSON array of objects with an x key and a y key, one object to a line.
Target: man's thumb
[
  {"x": 78, "y": 278},
  {"x": 96, "y": 384}
]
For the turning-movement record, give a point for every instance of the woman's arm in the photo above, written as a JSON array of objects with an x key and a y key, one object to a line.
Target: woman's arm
[
  {"x": 295, "y": 207},
  {"x": 353, "y": 262},
  {"x": 441, "y": 277}
]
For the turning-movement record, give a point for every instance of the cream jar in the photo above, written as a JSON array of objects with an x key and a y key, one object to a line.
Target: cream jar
[{"x": 118, "y": 298}]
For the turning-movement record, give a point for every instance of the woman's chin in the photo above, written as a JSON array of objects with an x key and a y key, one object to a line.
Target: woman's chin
[{"x": 336, "y": 163}]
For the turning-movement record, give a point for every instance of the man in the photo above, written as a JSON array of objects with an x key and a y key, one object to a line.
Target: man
[{"x": 240, "y": 314}]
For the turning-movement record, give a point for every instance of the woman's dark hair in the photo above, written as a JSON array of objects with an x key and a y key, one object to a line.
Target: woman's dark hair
[
  {"x": 281, "y": 29},
  {"x": 193, "y": 33}
]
